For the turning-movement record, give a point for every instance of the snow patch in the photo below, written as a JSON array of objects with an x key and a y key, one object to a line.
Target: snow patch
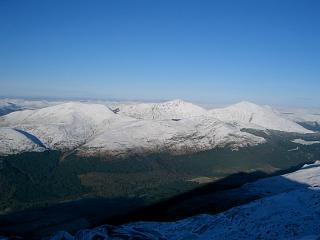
[{"x": 304, "y": 142}]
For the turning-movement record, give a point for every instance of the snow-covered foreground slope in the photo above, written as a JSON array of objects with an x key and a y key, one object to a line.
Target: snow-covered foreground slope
[
  {"x": 175, "y": 126},
  {"x": 250, "y": 115},
  {"x": 176, "y": 109},
  {"x": 290, "y": 209}
]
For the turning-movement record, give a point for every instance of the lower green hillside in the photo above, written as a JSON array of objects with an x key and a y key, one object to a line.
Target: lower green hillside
[{"x": 32, "y": 180}]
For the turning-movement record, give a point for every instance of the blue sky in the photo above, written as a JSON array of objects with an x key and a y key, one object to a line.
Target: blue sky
[{"x": 266, "y": 51}]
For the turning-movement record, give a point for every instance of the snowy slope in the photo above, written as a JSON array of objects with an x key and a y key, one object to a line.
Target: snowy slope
[
  {"x": 176, "y": 109},
  {"x": 187, "y": 135},
  {"x": 65, "y": 113},
  {"x": 289, "y": 210},
  {"x": 304, "y": 142},
  {"x": 250, "y": 115},
  {"x": 307, "y": 176},
  {"x": 12, "y": 141},
  {"x": 64, "y": 126}
]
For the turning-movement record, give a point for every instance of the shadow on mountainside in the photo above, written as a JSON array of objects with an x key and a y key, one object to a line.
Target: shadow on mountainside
[
  {"x": 212, "y": 198},
  {"x": 70, "y": 216},
  {"x": 289, "y": 213},
  {"x": 31, "y": 137},
  {"x": 87, "y": 213}
]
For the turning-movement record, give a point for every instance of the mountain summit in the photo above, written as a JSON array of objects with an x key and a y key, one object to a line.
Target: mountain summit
[
  {"x": 175, "y": 109},
  {"x": 250, "y": 115}
]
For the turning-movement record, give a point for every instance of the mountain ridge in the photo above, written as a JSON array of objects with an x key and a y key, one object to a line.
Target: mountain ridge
[{"x": 174, "y": 126}]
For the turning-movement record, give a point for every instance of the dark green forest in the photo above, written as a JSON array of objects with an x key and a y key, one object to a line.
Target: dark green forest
[{"x": 32, "y": 180}]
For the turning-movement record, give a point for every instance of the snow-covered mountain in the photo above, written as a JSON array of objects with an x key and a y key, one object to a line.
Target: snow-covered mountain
[
  {"x": 176, "y": 109},
  {"x": 63, "y": 126},
  {"x": 65, "y": 114},
  {"x": 250, "y": 115},
  {"x": 176, "y": 127},
  {"x": 95, "y": 129},
  {"x": 186, "y": 135},
  {"x": 288, "y": 208}
]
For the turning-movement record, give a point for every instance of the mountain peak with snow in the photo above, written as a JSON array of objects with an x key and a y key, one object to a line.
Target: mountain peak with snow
[
  {"x": 246, "y": 104},
  {"x": 66, "y": 113},
  {"x": 62, "y": 126},
  {"x": 175, "y": 109},
  {"x": 250, "y": 115}
]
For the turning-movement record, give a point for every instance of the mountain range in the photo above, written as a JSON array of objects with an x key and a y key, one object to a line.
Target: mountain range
[{"x": 174, "y": 126}]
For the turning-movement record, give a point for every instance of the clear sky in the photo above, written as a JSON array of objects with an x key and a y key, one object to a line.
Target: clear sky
[{"x": 266, "y": 51}]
